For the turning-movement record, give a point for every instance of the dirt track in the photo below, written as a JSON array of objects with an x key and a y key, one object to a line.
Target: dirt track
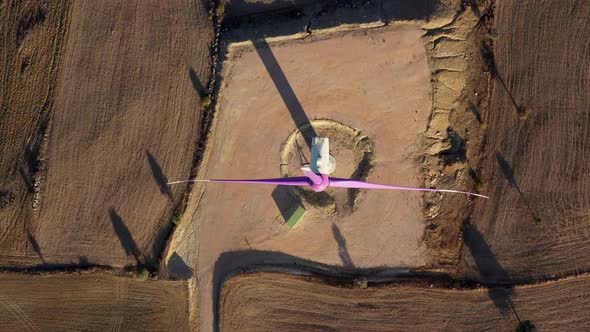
[
  {"x": 91, "y": 302},
  {"x": 538, "y": 149},
  {"x": 126, "y": 118},
  {"x": 273, "y": 302}
]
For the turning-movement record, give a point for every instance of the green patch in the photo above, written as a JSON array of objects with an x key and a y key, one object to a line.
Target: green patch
[
  {"x": 522, "y": 112},
  {"x": 221, "y": 9},
  {"x": 142, "y": 274},
  {"x": 177, "y": 219},
  {"x": 296, "y": 214},
  {"x": 206, "y": 101}
]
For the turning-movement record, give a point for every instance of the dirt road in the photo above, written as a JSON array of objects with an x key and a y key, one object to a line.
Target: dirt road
[
  {"x": 91, "y": 302},
  {"x": 273, "y": 301},
  {"x": 537, "y": 221}
]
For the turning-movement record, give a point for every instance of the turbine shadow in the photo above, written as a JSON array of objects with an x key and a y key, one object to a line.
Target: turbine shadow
[{"x": 285, "y": 90}]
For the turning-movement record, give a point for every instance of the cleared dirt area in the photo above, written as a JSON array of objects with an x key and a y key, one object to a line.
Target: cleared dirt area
[
  {"x": 273, "y": 302},
  {"x": 387, "y": 97},
  {"x": 537, "y": 222},
  {"x": 91, "y": 302},
  {"x": 126, "y": 118},
  {"x": 32, "y": 43}
]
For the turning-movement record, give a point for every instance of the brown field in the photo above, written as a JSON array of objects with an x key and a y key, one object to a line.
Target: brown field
[
  {"x": 538, "y": 146},
  {"x": 279, "y": 302},
  {"x": 102, "y": 104},
  {"x": 126, "y": 118},
  {"x": 249, "y": 7},
  {"x": 32, "y": 41},
  {"x": 91, "y": 302}
]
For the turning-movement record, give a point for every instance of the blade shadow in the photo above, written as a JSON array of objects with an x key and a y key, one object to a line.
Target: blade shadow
[{"x": 342, "y": 249}]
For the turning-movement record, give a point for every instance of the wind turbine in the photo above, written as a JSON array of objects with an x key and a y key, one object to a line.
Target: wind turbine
[{"x": 317, "y": 175}]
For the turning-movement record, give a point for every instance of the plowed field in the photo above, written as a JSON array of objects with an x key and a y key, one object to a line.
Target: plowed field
[
  {"x": 279, "y": 302},
  {"x": 126, "y": 119},
  {"x": 32, "y": 40},
  {"x": 91, "y": 302},
  {"x": 537, "y": 221}
]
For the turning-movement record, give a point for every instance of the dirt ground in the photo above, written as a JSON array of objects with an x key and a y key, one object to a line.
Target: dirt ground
[
  {"x": 126, "y": 118},
  {"x": 273, "y": 301},
  {"x": 32, "y": 41},
  {"x": 101, "y": 106},
  {"x": 537, "y": 222},
  {"x": 387, "y": 97},
  {"x": 91, "y": 302}
]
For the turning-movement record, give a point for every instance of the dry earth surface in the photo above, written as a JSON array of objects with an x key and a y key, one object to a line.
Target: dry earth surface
[
  {"x": 32, "y": 41},
  {"x": 125, "y": 118},
  {"x": 100, "y": 103},
  {"x": 279, "y": 302},
  {"x": 91, "y": 302},
  {"x": 387, "y": 97},
  {"x": 537, "y": 221},
  {"x": 101, "y": 106}
]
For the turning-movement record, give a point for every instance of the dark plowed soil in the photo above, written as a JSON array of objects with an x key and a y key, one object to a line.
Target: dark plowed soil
[
  {"x": 32, "y": 38},
  {"x": 126, "y": 120},
  {"x": 280, "y": 302},
  {"x": 537, "y": 221},
  {"x": 91, "y": 302}
]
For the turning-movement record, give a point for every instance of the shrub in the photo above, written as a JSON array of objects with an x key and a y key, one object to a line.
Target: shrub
[
  {"x": 206, "y": 101},
  {"x": 221, "y": 9},
  {"x": 494, "y": 35},
  {"x": 141, "y": 273},
  {"x": 177, "y": 219},
  {"x": 522, "y": 112}
]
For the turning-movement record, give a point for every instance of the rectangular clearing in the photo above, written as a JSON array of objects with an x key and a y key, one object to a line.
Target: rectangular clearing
[{"x": 375, "y": 81}]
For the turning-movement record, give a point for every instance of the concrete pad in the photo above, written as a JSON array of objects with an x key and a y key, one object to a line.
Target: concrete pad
[{"x": 374, "y": 80}]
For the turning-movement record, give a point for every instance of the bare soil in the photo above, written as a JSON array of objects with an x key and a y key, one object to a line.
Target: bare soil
[
  {"x": 91, "y": 302},
  {"x": 273, "y": 302},
  {"x": 537, "y": 156},
  {"x": 126, "y": 118},
  {"x": 387, "y": 96},
  {"x": 32, "y": 40}
]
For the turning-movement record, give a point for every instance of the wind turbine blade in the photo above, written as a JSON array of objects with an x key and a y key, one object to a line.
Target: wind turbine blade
[
  {"x": 293, "y": 181},
  {"x": 346, "y": 183}
]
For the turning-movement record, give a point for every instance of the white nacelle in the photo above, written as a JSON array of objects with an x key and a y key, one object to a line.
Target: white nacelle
[{"x": 321, "y": 161}]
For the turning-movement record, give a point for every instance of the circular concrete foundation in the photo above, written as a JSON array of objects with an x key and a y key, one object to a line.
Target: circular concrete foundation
[{"x": 352, "y": 150}]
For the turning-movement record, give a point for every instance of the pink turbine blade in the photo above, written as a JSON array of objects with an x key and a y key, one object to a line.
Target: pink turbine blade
[
  {"x": 317, "y": 179},
  {"x": 346, "y": 183},
  {"x": 293, "y": 181}
]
